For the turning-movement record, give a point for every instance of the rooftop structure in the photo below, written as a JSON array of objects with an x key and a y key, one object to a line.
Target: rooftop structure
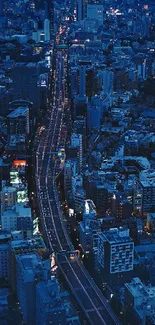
[{"x": 141, "y": 299}]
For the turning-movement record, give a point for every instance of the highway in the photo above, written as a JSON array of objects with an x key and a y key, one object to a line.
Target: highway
[{"x": 47, "y": 168}]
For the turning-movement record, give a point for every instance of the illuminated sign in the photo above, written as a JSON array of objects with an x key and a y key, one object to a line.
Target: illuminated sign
[{"x": 18, "y": 163}]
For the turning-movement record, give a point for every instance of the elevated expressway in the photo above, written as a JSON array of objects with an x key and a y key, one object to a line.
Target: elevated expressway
[{"x": 47, "y": 167}]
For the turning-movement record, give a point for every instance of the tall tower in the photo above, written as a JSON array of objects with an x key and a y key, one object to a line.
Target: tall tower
[
  {"x": 82, "y": 80},
  {"x": 49, "y": 14}
]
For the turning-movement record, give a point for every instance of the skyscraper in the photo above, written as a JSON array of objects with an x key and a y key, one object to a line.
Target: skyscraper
[{"x": 49, "y": 14}]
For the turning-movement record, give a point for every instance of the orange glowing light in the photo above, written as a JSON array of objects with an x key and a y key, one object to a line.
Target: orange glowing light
[{"x": 19, "y": 163}]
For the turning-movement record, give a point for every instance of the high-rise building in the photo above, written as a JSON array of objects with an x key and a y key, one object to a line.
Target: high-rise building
[
  {"x": 70, "y": 169},
  {"x": 49, "y": 14},
  {"x": 94, "y": 113},
  {"x": 147, "y": 184},
  {"x": 108, "y": 80},
  {"x": 19, "y": 246},
  {"x": 49, "y": 306},
  {"x": 79, "y": 127},
  {"x": 86, "y": 77},
  {"x": 18, "y": 121},
  {"x": 47, "y": 30},
  {"x": 79, "y": 200},
  {"x": 25, "y": 78},
  {"x": 76, "y": 142},
  {"x": 8, "y": 197},
  {"x": 80, "y": 106},
  {"x": 116, "y": 254},
  {"x": 30, "y": 269},
  {"x": 5, "y": 237}
]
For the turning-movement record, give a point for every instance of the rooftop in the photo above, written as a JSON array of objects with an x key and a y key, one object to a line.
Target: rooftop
[
  {"x": 116, "y": 235},
  {"x": 20, "y": 111},
  {"x": 21, "y": 244}
]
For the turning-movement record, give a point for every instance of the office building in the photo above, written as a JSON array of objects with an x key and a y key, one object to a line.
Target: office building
[
  {"x": 49, "y": 13},
  {"x": 79, "y": 127},
  {"x": 89, "y": 230},
  {"x": 18, "y": 217},
  {"x": 74, "y": 81},
  {"x": 8, "y": 197},
  {"x": 116, "y": 254},
  {"x": 82, "y": 80},
  {"x": 76, "y": 142},
  {"x": 141, "y": 300},
  {"x": 94, "y": 114},
  {"x": 49, "y": 306},
  {"x": 47, "y": 30},
  {"x": 19, "y": 246},
  {"x": 86, "y": 78},
  {"x": 5, "y": 237},
  {"x": 80, "y": 107},
  {"x": 25, "y": 78},
  {"x": 95, "y": 11},
  {"x": 101, "y": 199},
  {"x": 79, "y": 200},
  {"x": 147, "y": 183},
  {"x": 77, "y": 181},
  {"x": 43, "y": 84},
  {"x": 108, "y": 81},
  {"x": 70, "y": 170},
  {"x": 121, "y": 207},
  {"x": 18, "y": 121},
  {"x": 73, "y": 153},
  {"x": 30, "y": 269}
]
